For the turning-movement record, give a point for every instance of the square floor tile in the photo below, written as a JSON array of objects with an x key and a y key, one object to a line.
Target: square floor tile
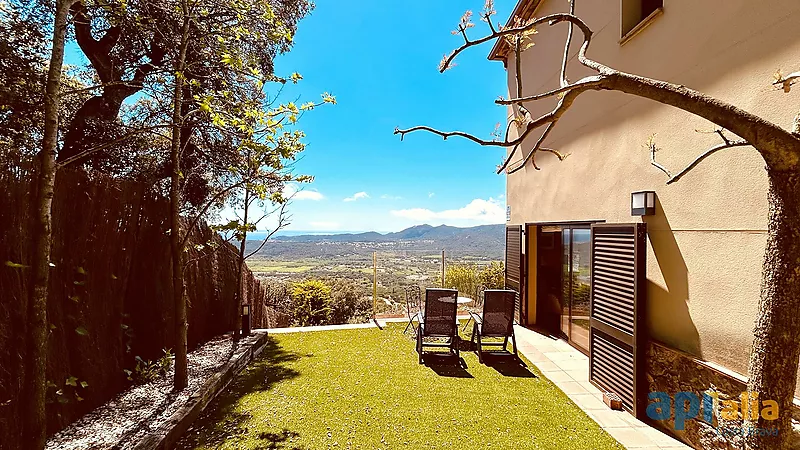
[
  {"x": 608, "y": 419},
  {"x": 571, "y": 387},
  {"x": 631, "y": 438},
  {"x": 557, "y": 376}
]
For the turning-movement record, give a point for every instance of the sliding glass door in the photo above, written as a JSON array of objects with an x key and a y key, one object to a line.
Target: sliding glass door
[
  {"x": 575, "y": 282},
  {"x": 563, "y": 280}
]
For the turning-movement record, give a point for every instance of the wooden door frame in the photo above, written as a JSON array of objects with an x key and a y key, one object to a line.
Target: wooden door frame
[{"x": 531, "y": 271}]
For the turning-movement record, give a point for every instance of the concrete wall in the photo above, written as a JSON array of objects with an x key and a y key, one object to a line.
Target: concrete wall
[{"x": 708, "y": 236}]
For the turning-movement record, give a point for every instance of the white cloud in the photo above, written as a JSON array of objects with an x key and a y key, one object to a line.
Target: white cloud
[
  {"x": 431, "y": 194},
  {"x": 478, "y": 210},
  {"x": 391, "y": 197},
  {"x": 357, "y": 196},
  {"x": 295, "y": 193}
]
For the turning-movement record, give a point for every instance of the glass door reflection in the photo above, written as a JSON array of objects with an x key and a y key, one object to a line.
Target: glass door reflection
[
  {"x": 579, "y": 280},
  {"x": 566, "y": 241}
]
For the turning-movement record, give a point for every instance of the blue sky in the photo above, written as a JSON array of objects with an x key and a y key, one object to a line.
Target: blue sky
[{"x": 380, "y": 60}]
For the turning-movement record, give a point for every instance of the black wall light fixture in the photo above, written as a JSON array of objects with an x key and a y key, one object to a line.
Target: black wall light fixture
[{"x": 643, "y": 203}]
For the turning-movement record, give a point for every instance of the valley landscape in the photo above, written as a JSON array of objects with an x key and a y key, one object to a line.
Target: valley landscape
[{"x": 411, "y": 256}]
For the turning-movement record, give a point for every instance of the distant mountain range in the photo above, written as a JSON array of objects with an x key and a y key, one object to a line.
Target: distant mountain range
[
  {"x": 417, "y": 232},
  {"x": 484, "y": 240}
]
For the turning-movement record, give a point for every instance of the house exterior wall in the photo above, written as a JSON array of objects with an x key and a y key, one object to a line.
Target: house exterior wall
[{"x": 707, "y": 239}]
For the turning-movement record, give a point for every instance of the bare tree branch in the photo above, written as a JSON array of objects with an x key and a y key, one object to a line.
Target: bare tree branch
[
  {"x": 532, "y": 153},
  {"x": 283, "y": 222},
  {"x": 777, "y": 146},
  {"x": 550, "y": 19},
  {"x": 106, "y": 145},
  {"x": 518, "y": 74},
  {"x": 786, "y": 82},
  {"x": 205, "y": 208},
  {"x": 587, "y": 82},
  {"x": 673, "y": 178},
  {"x": 215, "y": 249},
  {"x": 563, "y": 80}
]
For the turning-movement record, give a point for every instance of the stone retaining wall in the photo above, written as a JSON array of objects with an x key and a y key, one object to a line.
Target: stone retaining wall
[{"x": 672, "y": 371}]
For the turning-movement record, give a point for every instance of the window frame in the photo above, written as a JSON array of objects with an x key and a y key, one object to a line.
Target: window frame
[{"x": 625, "y": 37}]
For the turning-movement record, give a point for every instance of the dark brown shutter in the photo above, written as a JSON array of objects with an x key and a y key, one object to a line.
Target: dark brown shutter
[
  {"x": 617, "y": 334},
  {"x": 515, "y": 275}
]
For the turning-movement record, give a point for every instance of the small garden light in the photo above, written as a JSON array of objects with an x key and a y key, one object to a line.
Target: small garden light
[
  {"x": 246, "y": 320},
  {"x": 643, "y": 203}
]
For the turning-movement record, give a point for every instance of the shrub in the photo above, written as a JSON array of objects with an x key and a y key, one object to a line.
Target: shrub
[
  {"x": 277, "y": 295},
  {"x": 461, "y": 277},
  {"x": 147, "y": 371},
  {"x": 493, "y": 276},
  {"x": 467, "y": 278},
  {"x": 349, "y": 305},
  {"x": 311, "y": 303}
]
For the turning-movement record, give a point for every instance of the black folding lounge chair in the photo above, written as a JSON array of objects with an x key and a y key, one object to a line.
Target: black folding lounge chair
[
  {"x": 412, "y": 306},
  {"x": 497, "y": 320},
  {"x": 439, "y": 321}
]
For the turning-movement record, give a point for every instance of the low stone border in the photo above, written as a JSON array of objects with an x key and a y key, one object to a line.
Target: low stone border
[
  {"x": 349, "y": 326},
  {"x": 165, "y": 437}
]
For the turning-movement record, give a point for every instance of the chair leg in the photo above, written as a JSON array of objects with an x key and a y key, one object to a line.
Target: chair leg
[
  {"x": 480, "y": 350},
  {"x": 419, "y": 345},
  {"x": 505, "y": 343},
  {"x": 410, "y": 323},
  {"x": 472, "y": 337},
  {"x": 456, "y": 344},
  {"x": 469, "y": 319},
  {"x": 514, "y": 343}
]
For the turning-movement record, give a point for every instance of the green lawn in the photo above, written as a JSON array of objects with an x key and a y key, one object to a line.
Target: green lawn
[{"x": 364, "y": 389}]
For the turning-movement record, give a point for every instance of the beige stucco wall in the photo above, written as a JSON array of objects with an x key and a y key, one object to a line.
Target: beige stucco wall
[{"x": 707, "y": 239}]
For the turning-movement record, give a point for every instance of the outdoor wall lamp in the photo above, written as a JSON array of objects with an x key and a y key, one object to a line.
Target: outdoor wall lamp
[
  {"x": 643, "y": 203},
  {"x": 246, "y": 320}
]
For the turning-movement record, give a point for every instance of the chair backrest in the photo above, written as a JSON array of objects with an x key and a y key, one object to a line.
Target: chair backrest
[
  {"x": 498, "y": 312},
  {"x": 440, "y": 312},
  {"x": 413, "y": 294}
]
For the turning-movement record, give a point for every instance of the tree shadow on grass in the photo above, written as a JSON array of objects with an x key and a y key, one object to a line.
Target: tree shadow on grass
[
  {"x": 507, "y": 364},
  {"x": 221, "y": 422}
]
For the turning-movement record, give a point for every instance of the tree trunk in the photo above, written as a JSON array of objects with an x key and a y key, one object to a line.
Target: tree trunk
[
  {"x": 776, "y": 348},
  {"x": 181, "y": 344},
  {"x": 176, "y": 239},
  {"x": 35, "y": 422},
  {"x": 240, "y": 268}
]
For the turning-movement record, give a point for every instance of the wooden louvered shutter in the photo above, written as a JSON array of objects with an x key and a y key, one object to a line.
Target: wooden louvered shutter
[
  {"x": 514, "y": 267},
  {"x": 617, "y": 333}
]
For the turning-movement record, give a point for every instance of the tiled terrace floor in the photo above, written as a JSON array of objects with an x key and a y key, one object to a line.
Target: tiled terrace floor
[{"x": 568, "y": 369}]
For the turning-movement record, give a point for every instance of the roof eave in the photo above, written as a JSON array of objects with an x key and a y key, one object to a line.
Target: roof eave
[{"x": 525, "y": 10}]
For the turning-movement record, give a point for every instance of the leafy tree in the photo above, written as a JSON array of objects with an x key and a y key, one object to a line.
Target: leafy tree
[
  {"x": 130, "y": 48},
  {"x": 776, "y": 348},
  {"x": 23, "y": 62},
  {"x": 224, "y": 102}
]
